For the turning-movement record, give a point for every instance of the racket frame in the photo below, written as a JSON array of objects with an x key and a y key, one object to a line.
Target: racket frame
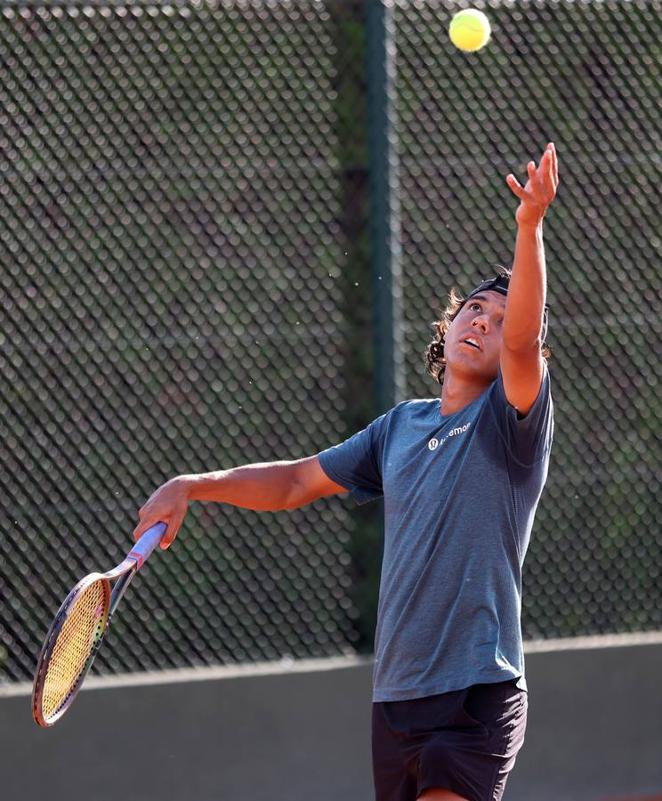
[
  {"x": 124, "y": 572},
  {"x": 51, "y": 641}
]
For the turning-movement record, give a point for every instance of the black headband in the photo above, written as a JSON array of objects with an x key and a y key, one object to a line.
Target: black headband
[{"x": 500, "y": 284}]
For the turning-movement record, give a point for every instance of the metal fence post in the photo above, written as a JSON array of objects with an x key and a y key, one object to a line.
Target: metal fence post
[{"x": 384, "y": 204}]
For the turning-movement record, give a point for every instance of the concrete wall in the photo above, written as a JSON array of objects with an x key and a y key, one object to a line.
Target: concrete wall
[
  {"x": 595, "y": 733},
  {"x": 595, "y": 725}
]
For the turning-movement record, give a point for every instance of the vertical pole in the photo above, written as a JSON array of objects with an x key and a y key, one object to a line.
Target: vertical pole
[{"x": 386, "y": 247}]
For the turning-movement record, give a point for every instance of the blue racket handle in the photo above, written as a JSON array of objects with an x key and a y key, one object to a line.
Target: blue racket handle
[{"x": 146, "y": 544}]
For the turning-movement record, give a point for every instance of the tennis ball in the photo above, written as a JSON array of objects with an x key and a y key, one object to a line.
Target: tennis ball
[{"x": 469, "y": 30}]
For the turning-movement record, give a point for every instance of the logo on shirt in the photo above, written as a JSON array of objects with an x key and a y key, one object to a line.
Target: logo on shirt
[{"x": 434, "y": 443}]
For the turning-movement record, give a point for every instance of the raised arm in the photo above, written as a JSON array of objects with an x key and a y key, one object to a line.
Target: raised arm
[
  {"x": 521, "y": 354},
  {"x": 264, "y": 487}
]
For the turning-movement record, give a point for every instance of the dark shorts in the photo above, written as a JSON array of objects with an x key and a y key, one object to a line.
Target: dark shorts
[{"x": 465, "y": 741}]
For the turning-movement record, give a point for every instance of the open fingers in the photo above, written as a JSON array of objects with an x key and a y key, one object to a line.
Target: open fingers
[
  {"x": 540, "y": 189},
  {"x": 550, "y": 174},
  {"x": 515, "y": 187},
  {"x": 543, "y": 180},
  {"x": 555, "y": 165},
  {"x": 532, "y": 170},
  {"x": 550, "y": 164}
]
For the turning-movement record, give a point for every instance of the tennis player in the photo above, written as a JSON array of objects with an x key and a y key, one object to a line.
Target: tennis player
[{"x": 461, "y": 476}]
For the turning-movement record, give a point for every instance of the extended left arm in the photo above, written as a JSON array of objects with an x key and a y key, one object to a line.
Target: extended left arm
[{"x": 521, "y": 356}]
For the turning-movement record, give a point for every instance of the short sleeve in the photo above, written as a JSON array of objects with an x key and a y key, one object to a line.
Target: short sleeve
[
  {"x": 356, "y": 463},
  {"x": 528, "y": 438}
]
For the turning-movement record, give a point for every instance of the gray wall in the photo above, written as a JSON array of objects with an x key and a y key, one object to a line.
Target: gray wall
[
  {"x": 595, "y": 732},
  {"x": 595, "y": 726}
]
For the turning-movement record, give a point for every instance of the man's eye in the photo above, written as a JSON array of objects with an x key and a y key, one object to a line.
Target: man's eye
[{"x": 475, "y": 307}]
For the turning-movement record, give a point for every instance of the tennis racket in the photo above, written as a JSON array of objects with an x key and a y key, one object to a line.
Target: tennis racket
[{"x": 78, "y": 630}]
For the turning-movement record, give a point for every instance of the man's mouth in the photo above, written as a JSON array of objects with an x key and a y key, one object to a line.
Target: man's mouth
[{"x": 473, "y": 342}]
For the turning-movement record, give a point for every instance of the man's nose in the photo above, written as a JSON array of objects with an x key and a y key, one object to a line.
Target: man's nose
[{"x": 481, "y": 322}]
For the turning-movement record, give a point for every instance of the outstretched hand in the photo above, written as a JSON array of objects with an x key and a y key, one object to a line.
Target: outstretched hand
[{"x": 540, "y": 189}]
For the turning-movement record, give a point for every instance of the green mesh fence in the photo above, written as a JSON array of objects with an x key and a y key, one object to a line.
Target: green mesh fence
[
  {"x": 183, "y": 269},
  {"x": 170, "y": 259}
]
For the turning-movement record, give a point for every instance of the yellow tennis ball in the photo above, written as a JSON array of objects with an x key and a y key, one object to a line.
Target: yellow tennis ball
[{"x": 469, "y": 30}]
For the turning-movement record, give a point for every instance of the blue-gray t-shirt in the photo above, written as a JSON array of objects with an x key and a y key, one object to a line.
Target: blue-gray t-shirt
[{"x": 460, "y": 493}]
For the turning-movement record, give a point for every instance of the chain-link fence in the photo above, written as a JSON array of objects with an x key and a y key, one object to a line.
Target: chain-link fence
[
  {"x": 184, "y": 260},
  {"x": 171, "y": 303},
  {"x": 587, "y": 77}
]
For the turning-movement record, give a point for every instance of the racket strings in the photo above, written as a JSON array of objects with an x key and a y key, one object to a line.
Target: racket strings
[{"x": 75, "y": 641}]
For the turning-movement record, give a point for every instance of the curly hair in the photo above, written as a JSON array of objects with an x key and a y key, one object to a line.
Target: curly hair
[
  {"x": 435, "y": 362},
  {"x": 434, "y": 353}
]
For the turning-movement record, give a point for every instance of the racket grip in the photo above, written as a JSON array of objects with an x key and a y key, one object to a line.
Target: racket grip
[{"x": 146, "y": 544}]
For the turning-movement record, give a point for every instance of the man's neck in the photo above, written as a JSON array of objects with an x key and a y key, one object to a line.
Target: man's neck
[{"x": 459, "y": 391}]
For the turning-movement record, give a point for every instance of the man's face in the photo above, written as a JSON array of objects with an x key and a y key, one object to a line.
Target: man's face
[{"x": 473, "y": 342}]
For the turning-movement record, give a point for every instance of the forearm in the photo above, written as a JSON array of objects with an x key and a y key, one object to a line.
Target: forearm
[
  {"x": 263, "y": 487},
  {"x": 267, "y": 487},
  {"x": 525, "y": 305}
]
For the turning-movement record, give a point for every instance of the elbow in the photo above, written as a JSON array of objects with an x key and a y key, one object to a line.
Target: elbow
[
  {"x": 293, "y": 498},
  {"x": 294, "y": 491},
  {"x": 303, "y": 484}
]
